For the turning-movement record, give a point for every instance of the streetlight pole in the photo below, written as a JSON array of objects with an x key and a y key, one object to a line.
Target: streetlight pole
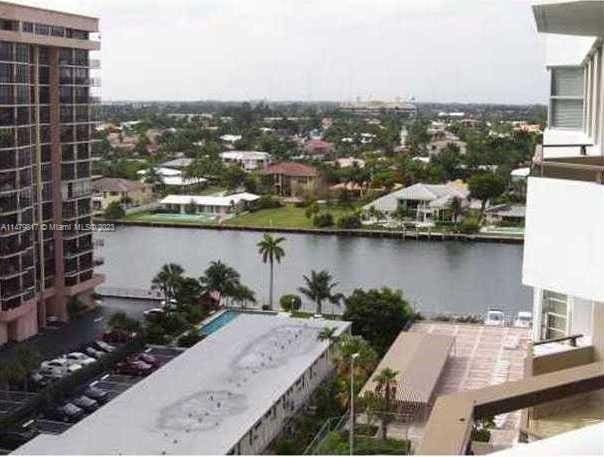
[{"x": 351, "y": 428}]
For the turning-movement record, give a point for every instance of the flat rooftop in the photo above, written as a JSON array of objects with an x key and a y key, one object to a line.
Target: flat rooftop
[
  {"x": 204, "y": 401},
  {"x": 482, "y": 356},
  {"x": 419, "y": 359}
]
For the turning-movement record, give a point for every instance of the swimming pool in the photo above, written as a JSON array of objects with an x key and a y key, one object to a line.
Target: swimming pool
[{"x": 216, "y": 324}]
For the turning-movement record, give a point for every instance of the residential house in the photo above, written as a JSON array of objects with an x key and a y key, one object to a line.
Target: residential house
[
  {"x": 211, "y": 205},
  {"x": 247, "y": 160},
  {"x": 423, "y": 203},
  {"x": 290, "y": 179},
  {"x": 506, "y": 214},
  {"x": 109, "y": 190},
  {"x": 350, "y": 162},
  {"x": 318, "y": 149},
  {"x": 173, "y": 180}
]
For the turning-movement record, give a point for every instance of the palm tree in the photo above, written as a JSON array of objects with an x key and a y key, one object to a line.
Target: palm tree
[
  {"x": 270, "y": 250},
  {"x": 319, "y": 287},
  {"x": 242, "y": 295},
  {"x": 328, "y": 334},
  {"x": 152, "y": 177},
  {"x": 386, "y": 384},
  {"x": 168, "y": 280},
  {"x": 220, "y": 278},
  {"x": 456, "y": 208}
]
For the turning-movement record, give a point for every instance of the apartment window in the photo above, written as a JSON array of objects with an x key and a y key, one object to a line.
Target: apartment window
[
  {"x": 22, "y": 53},
  {"x": 42, "y": 29},
  {"x": 6, "y": 51},
  {"x": 555, "y": 315},
  {"x": 28, "y": 27},
  {"x": 566, "y": 101}
]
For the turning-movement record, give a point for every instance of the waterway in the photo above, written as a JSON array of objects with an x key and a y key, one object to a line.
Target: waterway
[{"x": 435, "y": 276}]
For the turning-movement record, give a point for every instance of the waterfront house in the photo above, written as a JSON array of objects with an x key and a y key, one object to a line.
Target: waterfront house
[
  {"x": 109, "y": 190},
  {"x": 248, "y": 160},
  {"x": 177, "y": 164},
  {"x": 506, "y": 214},
  {"x": 219, "y": 206},
  {"x": 561, "y": 397},
  {"x": 290, "y": 179},
  {"x": 423, "y": 203}
]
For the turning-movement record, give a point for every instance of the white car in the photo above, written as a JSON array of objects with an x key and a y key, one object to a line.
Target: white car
[
  {"x": 52, "y": 372},
  {"x": 79, "y": 358},
  {"x": 97, "y": 354},
  {"x": 495, "y": 318},
  {"x": 524, "y": 319},
  {"x": 61, "y": 364},
  {"x": 104, "y": 346}
]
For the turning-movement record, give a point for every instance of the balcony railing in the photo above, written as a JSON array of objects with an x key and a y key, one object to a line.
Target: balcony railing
[
  {"x": 584, "y": 168},
  {"x": 448, "y": 431}
]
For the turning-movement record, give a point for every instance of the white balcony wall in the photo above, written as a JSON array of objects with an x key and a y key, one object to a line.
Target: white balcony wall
[{"x": 564, "y": 237}]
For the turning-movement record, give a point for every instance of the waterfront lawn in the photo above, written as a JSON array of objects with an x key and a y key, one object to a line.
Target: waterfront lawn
[{"x": 290, "y": 217}]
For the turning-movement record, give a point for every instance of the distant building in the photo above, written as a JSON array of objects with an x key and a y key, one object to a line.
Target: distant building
[
  {"x": 377, "y": 107},
  {"x": 248, "y": 160},
  {"x": 231, "y": 394},
  {"x": 291, "y": 178},
  {"x": 423, "y": 203},
  {"x": 230, "y": 138},
  {"x": 220, "y": 206},
  {"x": 175, "y": 180},
  {"x": 178, "y": 164},
  {"x": 350, "y": 162},
  {"x": 318, "y": 148},
  {"x": 109, "y": 190}
]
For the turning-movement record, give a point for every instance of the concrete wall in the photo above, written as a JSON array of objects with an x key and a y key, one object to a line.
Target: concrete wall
[{"x": 564, "y": 237}]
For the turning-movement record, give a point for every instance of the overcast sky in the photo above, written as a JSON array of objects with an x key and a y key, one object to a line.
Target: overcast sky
[{"x": 433, "y": 50}]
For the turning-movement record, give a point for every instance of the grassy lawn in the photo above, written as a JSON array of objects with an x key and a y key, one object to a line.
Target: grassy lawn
[{"x": 287, "y": 217}]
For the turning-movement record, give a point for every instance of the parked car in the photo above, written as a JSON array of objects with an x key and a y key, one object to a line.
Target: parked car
[
  {"x": 154, "y": 314},
  {"x": 79, "y": 358},
  {"x": 133, "y": 368},
  {"x": 495, "y": 318},
  {"x": 61, "y": 363},
  {"x": 103, "y": 346},
  {"x": 100, "y": 395},
  {"x": 65, "y": 413},
  {"x": 87, "y": 404},
  {"x": 148, "y": 359},
  {"x": 117, "y": 336},
  {"x": 39, "y": 379},
  {"x": 94, "y": 352},
  {"x": 53, "y": 373}
]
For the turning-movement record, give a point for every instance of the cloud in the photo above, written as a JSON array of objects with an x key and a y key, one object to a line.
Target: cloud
[{"x": 435, "y": 50}]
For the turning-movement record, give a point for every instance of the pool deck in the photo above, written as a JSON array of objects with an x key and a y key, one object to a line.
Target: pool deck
[{"x": 482, "y": 356}]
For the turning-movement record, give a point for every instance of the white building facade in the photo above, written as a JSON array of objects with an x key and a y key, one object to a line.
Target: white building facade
[{"x": 564, "y": 245}]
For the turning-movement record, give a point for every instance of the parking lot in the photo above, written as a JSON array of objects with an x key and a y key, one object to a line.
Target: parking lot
[{"x": 112, "y": 383}]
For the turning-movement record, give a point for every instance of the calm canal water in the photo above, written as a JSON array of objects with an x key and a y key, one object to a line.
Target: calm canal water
[{"x": 455, "y": 277}]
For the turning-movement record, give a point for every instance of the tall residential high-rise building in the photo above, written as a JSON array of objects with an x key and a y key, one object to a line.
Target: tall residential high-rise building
[{"x": 47, "y": 125}]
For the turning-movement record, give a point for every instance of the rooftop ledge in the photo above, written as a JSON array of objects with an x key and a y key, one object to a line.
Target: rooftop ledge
[{"x": 585, "y": 17}]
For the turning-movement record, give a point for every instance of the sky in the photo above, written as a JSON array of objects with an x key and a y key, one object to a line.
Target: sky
[{"x": 479, "y": 51}]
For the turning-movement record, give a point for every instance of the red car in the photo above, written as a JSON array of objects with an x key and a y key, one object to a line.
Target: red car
[
  {"x": 148, "y": 359},
  {"x": 118, "y": 336},
  {"x": 134, "y": 368}
]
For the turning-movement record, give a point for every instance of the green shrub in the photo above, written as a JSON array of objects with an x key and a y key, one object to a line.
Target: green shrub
[
  {"x": 267, "y": 202},
  {"x": 115, "y": 211},
  {"x": 323, "y": 220},
  {"x": 349, "y": 221},
  {"x": 121, "y": 321},
  {"x": 74, "y": 307},
  {"x": 155, "y": 334},
  {"x": 290, "y": 302},
  {"x": 189, "y": 339},
  {"x": 470, "y": 225}
]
